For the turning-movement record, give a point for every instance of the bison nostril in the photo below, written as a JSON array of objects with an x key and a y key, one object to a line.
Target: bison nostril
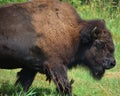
[{"x": 113, "y": 63}]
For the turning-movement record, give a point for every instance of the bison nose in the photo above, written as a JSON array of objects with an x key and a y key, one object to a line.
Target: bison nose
[
  {"x": 109, "y": 63},
  {"x": 113, "y": 63}
]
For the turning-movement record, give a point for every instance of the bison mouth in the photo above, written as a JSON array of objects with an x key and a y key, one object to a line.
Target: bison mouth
[{"x": 97, "y": 72}]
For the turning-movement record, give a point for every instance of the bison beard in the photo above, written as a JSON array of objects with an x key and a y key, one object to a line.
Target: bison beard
[{"x": 48, "y": 36}]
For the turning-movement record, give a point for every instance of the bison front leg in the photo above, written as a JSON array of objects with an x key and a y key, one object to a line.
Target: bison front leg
[
  {"x": 58, "y": 73},
  {"x": 25, "y": 78}
]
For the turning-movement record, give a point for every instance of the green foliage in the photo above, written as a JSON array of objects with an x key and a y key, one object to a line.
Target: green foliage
[
  {"x": 84, "y": 84},
  {"x": 7, "y": 89},
  {"x": 3, "y": 2}
]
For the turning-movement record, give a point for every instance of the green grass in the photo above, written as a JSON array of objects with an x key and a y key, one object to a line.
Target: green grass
[
  {"x": 84, "y": 84},
  {"x": 3, "y": 2}
]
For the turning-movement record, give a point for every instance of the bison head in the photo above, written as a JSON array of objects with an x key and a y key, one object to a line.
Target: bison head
[{"x": 96, "y": 48}]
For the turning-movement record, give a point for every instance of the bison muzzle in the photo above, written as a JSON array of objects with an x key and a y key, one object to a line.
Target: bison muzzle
[{"x": 49, "y": 37}]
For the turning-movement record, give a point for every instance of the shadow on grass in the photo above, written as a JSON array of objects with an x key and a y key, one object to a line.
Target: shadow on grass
[
  {"x": 7, "y": 89},
  {"x": 45, "y": 92}
]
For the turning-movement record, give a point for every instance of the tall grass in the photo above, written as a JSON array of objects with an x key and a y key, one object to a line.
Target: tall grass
[
  {"x": 84, "y": 84},
  {"x": 3, "y": 2}
]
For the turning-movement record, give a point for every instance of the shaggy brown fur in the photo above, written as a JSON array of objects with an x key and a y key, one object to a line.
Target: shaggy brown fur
[{"x": 48, "y": 36}]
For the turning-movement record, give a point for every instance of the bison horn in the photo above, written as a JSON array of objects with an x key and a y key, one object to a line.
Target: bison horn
[
  {"x": 94, "y": 29},
  {"x": 94, "y": 32}
]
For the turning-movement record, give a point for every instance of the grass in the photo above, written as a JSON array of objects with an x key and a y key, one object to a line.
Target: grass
[
  {"x": 84, "y": 84},
  {"x": 3, "y": 2}
]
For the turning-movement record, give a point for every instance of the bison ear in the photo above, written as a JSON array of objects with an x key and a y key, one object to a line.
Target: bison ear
[{"x": 88, "y": 34}]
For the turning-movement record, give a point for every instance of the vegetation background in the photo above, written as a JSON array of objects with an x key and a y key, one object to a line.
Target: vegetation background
[{"x": 84, "y": 85}]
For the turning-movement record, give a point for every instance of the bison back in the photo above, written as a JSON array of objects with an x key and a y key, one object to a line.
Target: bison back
[{"x": 48, "y": 26}]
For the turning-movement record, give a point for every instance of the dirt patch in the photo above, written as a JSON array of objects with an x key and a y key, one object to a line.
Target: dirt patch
[{"x": 112, "y": 74}]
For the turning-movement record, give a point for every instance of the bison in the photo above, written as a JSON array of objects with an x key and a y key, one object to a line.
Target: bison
[{"x": 49, "y": 37}]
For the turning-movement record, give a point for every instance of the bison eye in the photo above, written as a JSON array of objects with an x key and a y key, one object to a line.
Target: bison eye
[{"x": 99, "y": 44}]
